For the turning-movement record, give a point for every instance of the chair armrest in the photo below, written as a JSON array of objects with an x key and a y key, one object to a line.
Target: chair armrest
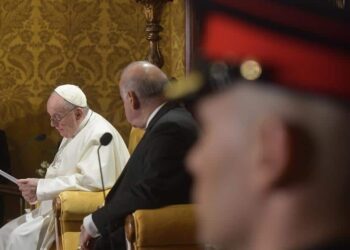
[
  {"x": 168, "y": 226},
  {"x": 75, "y": 205},
  {"x": 70, "y": 208}
]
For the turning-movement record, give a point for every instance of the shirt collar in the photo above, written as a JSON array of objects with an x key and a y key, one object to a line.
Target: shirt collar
[{"x": 154, "y": 113}]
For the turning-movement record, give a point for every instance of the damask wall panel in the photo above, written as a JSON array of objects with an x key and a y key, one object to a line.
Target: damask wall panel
[
  {"x": 87, "y": 42},
  {"x": 173, "y": 39}
]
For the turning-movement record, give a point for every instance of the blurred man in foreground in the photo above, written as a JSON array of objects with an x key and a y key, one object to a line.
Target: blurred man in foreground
[
  {"x": 75, "y": 167},
  {"x": 274, "y": 174},
  {"x": 272, "y": 166}
]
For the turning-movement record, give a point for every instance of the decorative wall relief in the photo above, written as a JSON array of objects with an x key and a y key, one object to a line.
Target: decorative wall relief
[{"x": 47, "y": 42}]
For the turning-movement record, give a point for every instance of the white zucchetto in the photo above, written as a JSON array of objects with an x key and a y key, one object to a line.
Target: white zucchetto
[{"x": 73, "y": 94}]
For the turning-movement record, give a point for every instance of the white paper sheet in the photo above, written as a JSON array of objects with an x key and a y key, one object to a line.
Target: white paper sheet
[{"x": 9, "y": 177}]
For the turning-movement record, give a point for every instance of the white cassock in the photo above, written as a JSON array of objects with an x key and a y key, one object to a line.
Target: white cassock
[{"x": 75, "y": 167}]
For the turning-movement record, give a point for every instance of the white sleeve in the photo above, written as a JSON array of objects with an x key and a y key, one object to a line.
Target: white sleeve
[
  {"x": 85, "y": 175},
  {"x": 90, "y": 226}
]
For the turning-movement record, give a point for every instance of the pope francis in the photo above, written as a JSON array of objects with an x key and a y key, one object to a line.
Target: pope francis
[{"x": 75, "y": 167}]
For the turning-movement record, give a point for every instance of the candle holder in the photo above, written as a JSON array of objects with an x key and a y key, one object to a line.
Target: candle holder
[{"x": 153, "y": 11}]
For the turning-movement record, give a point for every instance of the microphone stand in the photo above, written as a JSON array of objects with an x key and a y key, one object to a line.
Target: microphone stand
[
  {"x": 105, "y": 139},
  {"x": 99, "y": 161}
]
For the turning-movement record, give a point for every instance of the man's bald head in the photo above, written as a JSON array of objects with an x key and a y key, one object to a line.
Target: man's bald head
[
  {"x": 144, "y": 78},
  {"x": 141, "y": 89}
]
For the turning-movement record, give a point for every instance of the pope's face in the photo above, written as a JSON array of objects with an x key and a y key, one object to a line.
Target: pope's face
[
  {"x": 221, "y": 162},
  {"x": 63, "y": 119}
]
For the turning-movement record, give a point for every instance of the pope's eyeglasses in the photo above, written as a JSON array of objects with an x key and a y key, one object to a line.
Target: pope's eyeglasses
[{"x": 56, "y": 118}]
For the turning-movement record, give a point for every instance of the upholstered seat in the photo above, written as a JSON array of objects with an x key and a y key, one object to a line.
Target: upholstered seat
[
  {"x": 134, "y": 138},
  {"x": 168, "y": 228}
]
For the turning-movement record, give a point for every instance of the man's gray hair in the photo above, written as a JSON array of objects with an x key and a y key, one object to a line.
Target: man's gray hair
[{"x": 148, "y": 87}]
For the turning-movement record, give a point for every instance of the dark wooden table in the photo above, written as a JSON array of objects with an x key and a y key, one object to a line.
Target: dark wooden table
[{"x": 8, "y": 189}]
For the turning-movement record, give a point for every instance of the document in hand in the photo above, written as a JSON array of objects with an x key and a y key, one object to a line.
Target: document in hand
[{"x": 8, "y": 176}]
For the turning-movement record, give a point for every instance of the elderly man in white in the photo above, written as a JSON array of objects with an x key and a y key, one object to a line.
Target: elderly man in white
[{"x": 75, "y": 167}]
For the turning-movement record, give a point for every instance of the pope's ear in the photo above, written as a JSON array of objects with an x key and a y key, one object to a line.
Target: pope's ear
[
  {"x": 79, "y": 112},
  {"x": 273, "y": 153}
]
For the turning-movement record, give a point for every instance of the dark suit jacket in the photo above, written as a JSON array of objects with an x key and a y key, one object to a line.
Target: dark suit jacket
[{"x": 154, "y": 176}]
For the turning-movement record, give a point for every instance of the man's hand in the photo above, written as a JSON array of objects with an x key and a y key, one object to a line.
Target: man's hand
[
  {"x": 28, "y": 189},
  {"x": 85, "y": 239}
]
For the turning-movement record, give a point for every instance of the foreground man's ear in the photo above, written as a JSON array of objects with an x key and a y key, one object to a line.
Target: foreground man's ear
[
  {"x": 273, "y": 153},
  {"x": 286, "y": 154}
]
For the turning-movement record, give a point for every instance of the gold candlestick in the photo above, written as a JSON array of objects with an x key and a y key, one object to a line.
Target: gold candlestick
[{"x": 153, "y": 11}]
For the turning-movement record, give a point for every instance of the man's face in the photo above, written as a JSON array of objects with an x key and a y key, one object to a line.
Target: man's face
[
  {"x": 221, "y": 162},
  {"x": 61, "y": 118}
]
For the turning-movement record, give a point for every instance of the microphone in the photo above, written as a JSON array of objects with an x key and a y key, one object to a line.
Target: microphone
[
  {"x": 105, "y": 139},
  {"x": 36, "y": 138},
  {"x": 33, "y": 139},
  {"x": 40, "y": 137}
]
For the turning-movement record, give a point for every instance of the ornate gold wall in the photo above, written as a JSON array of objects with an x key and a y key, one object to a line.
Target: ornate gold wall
[{"x": 88, "y": 42}]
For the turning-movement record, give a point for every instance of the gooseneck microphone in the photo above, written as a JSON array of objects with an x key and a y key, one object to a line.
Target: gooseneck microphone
[
  {"x": 40, "y": 137},
  {"x": 36, "y": 138},
  {"x": 105, "y": 139}
]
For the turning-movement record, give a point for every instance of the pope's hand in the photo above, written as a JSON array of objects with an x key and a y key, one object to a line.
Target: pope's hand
[
  {"x": 28, "y": 189},
  {"x": 85, "y": 239}
]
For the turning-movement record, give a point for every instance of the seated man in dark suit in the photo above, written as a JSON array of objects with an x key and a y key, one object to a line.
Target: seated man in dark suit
[
  {"x": 5, "y": 166},
  {"x": 155, "y": 174}
]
